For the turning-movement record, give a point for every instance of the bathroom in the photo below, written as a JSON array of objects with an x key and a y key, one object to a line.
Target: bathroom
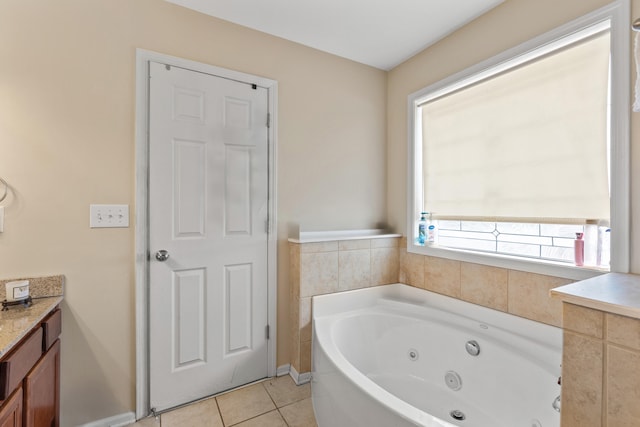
[{"x": 67, "y": 140}]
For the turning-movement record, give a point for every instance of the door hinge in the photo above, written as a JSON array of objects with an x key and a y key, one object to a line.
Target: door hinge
[
  {"x": 268, "y": 120},
  {"x": 267, "y": 331}
]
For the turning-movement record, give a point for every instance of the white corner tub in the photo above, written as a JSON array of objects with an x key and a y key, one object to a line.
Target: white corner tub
[{"x": 396, "y": 356}]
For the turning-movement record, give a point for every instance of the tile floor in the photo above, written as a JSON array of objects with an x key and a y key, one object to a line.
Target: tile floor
[{"x": 276, "y": 402}]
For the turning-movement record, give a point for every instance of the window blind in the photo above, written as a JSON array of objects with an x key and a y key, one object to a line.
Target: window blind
[{"x": 529, "y": 143}]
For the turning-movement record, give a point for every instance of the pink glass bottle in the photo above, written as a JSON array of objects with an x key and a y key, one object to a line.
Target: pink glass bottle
[{"x": 578, "y": 247}]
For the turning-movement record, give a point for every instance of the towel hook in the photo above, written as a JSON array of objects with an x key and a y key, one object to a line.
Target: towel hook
[{"x": 6, "y": 189}]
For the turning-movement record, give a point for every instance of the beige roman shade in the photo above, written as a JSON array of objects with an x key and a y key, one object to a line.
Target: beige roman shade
[{"x": 530, "y": 143}]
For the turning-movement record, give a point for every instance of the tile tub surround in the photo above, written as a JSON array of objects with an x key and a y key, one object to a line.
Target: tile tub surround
[
  {"x": 601, "y": 321},
  {"x": 516, "y": 292},
  {"x": 320, "y": 266},
  {"x": 327, "y": 266},
  {"x": 276, "y": 402}
]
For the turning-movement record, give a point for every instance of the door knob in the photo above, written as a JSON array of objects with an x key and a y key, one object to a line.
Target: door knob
[{"x": 162, "y": 255}]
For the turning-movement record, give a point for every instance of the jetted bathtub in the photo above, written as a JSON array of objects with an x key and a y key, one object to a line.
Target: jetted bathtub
[{"x": 396, "y": 356}]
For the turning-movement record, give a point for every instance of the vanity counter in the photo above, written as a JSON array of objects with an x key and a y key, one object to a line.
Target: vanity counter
[{"x": 19, "y": 320}]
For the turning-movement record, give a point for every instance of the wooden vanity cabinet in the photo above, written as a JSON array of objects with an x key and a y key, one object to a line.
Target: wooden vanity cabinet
[
  {"x": 11, "y": 412},
  {"x": 41, "y": 390},
  {"x": 30, "y": 373}
]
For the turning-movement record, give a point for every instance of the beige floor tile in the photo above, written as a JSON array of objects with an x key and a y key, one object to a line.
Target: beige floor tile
[
  {"x": 147, "y": 422},
  {"x": 245, "y": 403},
  {"x": 284, "y": 391},
  {"x": 270, "y": 419},
  {"x": 299, "y": 414},
  {"x": 200, "y": 414}
]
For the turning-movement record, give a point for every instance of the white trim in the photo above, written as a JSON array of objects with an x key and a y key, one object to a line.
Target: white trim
[
  {"x": 142, "y": 216},
  {"x": 114, "y": 421},
  {"x": 329, "y": 236},
  {"x": 620, "y": 136},
  {"x": 618, "y": 12},
  {"x": 300, "y": 379},
  {"x": 283, "y": 370}
]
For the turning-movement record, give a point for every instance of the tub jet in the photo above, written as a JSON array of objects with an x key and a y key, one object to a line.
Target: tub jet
[
  {"x": 413, "y": 354},
  {"x": 453, "y": 380},
  {"x": 473, "y": 348},
  {"x": 457, "y": 415}
]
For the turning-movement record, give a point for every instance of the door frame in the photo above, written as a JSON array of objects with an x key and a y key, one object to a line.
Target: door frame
[{"x": 142, "y": 211}]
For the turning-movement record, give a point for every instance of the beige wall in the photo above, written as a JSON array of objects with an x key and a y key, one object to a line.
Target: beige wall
[
  {"x": 512, "y": 23},
  {"x": 67, "y": 140}
]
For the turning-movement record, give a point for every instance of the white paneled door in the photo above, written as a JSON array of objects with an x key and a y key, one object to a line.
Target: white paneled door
[{"x": 208, "y": 212}]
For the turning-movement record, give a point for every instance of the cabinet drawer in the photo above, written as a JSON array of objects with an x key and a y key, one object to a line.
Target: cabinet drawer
[
  {"x": 51, "y": 327},
  {"x": 19, "y": 362}
]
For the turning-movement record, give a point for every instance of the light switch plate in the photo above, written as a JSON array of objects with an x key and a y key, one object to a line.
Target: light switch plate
[{"x": 108, "y": 216}]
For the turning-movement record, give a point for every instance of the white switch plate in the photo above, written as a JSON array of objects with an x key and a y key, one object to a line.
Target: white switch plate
[{"x": 108, "y": 216}]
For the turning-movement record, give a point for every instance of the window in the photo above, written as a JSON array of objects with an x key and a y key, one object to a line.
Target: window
[{"x": 513, "y": 157}]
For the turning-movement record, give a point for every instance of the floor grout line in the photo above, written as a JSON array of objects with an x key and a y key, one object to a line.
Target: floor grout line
[
  {"x": 219, "y": 412},
  {"x": 269, "y": 394},
  {"x": 283, "y": 418},
  {"x": 297, "y": 398},
  {"x": 276, "y": 405},
  {"x": 249, "y": 419}
]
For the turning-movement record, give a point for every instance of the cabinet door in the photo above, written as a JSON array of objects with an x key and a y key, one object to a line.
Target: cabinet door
[
  {"x": 11, "y": 412},
  {"x": 42, "y": 391}
]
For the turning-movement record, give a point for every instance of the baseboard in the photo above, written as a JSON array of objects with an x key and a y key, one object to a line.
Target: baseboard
[
  {"x": 283, "y": 370},
  {"x": 130, "y": 417},
  {"x": 115, "y": 421},
  {"x": 300, "y": 379}
]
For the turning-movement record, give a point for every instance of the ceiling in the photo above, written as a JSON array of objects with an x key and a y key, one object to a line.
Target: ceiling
[{"x": 380, "y": 33}]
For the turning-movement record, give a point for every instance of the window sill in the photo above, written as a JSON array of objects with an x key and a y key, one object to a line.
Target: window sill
[{"x": 548, "y": 268}]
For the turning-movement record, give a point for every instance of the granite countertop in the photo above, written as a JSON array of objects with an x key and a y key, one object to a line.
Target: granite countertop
[
  {"x": 18, "y": 320},
  {"x": 615, "y": 293}
]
